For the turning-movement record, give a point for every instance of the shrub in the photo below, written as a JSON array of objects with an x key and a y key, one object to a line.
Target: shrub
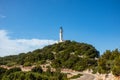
[
  {"x": 15, "y": 69},
  {"x": 37, "y": 69}
]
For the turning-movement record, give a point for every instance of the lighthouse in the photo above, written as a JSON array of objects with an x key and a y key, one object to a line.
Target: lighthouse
[{"x": 61, "y": 34}]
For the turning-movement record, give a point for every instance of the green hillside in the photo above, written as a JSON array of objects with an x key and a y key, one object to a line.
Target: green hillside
[{"x": 68, "y": 54}]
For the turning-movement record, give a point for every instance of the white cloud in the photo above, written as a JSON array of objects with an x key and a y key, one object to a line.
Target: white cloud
[{"x": 14, "y": 46}]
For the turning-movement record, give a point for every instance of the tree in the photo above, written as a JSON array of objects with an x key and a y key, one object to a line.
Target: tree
[
  {"x": 109, "y": 61},
  {"x": 116, "y": 67}
]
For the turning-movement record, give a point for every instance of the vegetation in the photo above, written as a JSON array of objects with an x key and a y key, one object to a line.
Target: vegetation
[
  {"x": 12, "y": 70},
  {"x": 2, "y": 72},
  {"x": 76, "y": 76},
  {"x": 37, "y": 69},
  {"x": 110, "y": 62},
  {"x": 16, "y": 74},
  {"x": 68, "y": 54}
]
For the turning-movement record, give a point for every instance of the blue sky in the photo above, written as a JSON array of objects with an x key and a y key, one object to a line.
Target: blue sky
[{"x": 96, "y": 22}]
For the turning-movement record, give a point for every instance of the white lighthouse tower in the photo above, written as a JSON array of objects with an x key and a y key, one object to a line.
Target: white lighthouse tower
[{"x": 61, "y": 34}]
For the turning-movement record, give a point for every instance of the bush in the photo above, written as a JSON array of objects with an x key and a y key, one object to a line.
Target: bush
[
  {"x": 27, "y": 64},
  {"x": 116, "y": 71},
  {"x": 37, "y": 69},
  {"x": 2, "y": 71},
  {"x": 76, "y": 76},
  {"x": 11, "y": 64},
  {"x": 22, "y": 76},
  {"x": 15, "y": 69}
]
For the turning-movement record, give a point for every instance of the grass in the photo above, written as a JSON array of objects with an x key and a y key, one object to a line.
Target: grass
[{"x": 76, "y": 76}]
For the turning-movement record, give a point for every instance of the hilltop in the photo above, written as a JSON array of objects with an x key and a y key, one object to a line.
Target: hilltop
[{"x": 68, "y": 54}]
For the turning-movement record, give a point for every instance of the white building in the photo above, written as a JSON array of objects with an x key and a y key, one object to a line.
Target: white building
[{"x": 61, "y": 35}]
